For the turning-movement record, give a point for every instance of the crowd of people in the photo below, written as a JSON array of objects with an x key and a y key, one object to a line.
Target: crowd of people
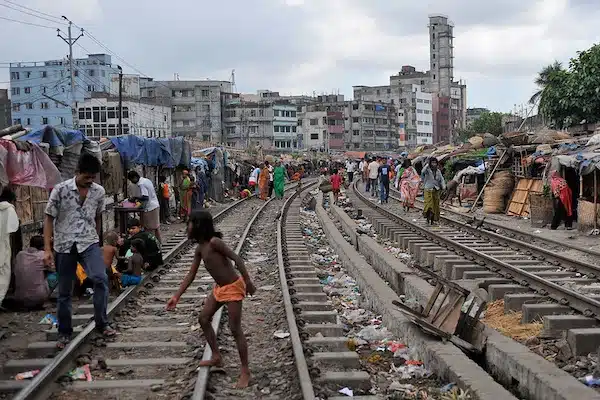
[
  {"x": 266, "y": 180},
  {"x": 380, "y": 173}
]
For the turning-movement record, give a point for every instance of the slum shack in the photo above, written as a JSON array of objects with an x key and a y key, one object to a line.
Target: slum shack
[{"x": 579, "y": 165}]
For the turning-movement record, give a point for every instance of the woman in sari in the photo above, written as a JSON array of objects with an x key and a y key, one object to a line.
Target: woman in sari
[
  {"x": 263, "y": 182},
  {"x": 185, "y": 195},
  {"x": 279, "y": 180},
  {"x": 563, "y": 201},
  {"x": 409, "y": 185}
]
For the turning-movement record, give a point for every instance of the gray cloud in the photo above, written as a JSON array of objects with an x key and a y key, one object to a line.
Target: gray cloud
[{"x": 312, "y": 45}]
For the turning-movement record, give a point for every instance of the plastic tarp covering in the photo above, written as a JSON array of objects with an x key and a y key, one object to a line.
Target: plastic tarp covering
[
  {"x": 54, "y": 137},
  {"x": 199, "y": 163},
  {"x": 29, "y": 168},
  {"x": 136, "y": 150}
]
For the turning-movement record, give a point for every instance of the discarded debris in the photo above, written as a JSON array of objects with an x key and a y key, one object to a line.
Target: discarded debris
[
  {"x": 81, "y": 374},
  {"x": 509, "y": 324},
  {"x": 281, "y": 334},
  {"x": 347, "y": 392},
  {"x": 26, "y": 375}
]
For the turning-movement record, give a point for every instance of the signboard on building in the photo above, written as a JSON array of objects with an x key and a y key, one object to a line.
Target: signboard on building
[{"x": 131, "y": 85}]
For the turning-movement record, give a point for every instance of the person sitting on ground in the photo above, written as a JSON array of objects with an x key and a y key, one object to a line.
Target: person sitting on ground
[
  {"x": 110, "y": 251},
  {"x": 230, "y": 288},
  {"x": 150, "y": 203},
  {"x": 152, "y": 253},
  {"x": 133, "y": 274},
  {"x": 34, "y": 281}
]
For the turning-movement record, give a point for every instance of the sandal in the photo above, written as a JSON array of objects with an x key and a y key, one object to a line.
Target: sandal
[
  {"x": 108, "y": 331},
  {"x": 63, "y": 341}
]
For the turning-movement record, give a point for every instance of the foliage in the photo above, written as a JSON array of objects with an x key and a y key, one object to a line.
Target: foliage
[
  {"x": 488, "y": 122},
  {"x": 567, "y": 96},
  {"x": 546, "y": 191}
]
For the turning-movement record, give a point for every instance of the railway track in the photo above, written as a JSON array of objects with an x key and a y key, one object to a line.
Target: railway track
[
  {"x": 546, "y": 242},
  {"x": 153, "y": 355},
  {"x": 543, "y": 284}
]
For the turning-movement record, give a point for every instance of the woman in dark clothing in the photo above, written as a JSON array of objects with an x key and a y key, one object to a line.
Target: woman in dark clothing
[{"x": 202, "y": 187}]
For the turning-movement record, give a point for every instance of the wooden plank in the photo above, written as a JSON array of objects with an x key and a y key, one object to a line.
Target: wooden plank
[{"x": 519, "y": 202}]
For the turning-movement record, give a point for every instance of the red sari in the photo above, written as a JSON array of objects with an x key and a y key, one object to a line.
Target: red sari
[
  {"x": 263, "y": 183},
  {"x": 562, "y": 191}
]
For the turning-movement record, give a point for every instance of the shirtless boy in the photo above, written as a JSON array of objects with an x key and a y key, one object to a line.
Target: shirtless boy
[{"x": 230, "y": 288}]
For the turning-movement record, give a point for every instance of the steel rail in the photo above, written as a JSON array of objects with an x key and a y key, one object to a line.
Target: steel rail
[
  {"x": 204, "y": 372},
  {"x": 306, "y": 386},
  {"x": 63, "y": 360},
  {"x": 520, "y": 235},
  {"x": 591, "y": 270},
  {"x": 587, "y": 306}
]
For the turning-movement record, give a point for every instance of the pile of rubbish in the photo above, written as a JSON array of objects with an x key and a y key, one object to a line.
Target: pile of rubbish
[{"x": 391, "y": 362}]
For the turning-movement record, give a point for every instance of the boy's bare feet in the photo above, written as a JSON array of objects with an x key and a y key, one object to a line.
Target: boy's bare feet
[
  {"x": 215, "y": 361},
  {"x": 244, "y": 380}
]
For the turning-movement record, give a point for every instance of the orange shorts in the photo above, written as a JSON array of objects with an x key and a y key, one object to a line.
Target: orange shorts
[{"x": 235, "y": 291}]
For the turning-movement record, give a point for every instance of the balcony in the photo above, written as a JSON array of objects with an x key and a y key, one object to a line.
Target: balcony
[
  {"x": 335, "y": 143},
  {"x": 335, "y": 115},
  {"x": 335, "y": 129},
  {"x": 187, "y": 115}
]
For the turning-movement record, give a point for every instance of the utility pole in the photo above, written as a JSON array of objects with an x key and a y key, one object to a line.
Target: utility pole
[
  {"x": 70, "y": 41},
  {"x": 120, "y": 100}
]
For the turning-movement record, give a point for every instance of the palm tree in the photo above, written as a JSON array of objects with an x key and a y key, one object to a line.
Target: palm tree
[{"x": 542, "y": 80}]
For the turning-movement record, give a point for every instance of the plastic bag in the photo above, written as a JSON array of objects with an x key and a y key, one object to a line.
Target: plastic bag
[{"x": 81, "y": 373}]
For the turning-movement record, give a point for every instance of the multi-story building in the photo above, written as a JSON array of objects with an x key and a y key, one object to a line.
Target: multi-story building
[
  {"x": 285, "y": 126},
  {"x": 99, "y": 117},
  {"x": 314, "y": 128},
  {"x": 41, "y": 91},
  {"x": 5, "y": 119},
  {"x": 195, "y": 105}
]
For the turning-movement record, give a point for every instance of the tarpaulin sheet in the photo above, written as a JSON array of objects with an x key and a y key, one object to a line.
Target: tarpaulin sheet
[
  {"x": 29, "y": 168},
  {"x": 136, "y": 150},
  {"x": 54, "y": 137}
]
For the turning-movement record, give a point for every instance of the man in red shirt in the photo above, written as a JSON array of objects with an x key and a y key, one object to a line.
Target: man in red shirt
[{"x": 336, "y": 183}]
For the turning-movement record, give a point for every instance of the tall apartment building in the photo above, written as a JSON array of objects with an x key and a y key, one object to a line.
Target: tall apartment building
[
  {"x": 195, "y": 105},
  {"x": 5, "y": 119},
  {"x": 41, "y": 91},
  {"x": 99, "y": 117}
]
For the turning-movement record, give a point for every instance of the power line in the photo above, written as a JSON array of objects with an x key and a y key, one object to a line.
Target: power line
[
  {"x": 34, "y": 10},
  {"x": 28, "y": 23},
  {"x": 32, "y": 14}
]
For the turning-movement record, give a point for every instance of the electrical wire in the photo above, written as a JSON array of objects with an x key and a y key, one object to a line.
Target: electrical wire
[
  {"x": 34, "y": 10},
  {"x": 28, "y": 23},
  {"x": 32, "y": 14}
]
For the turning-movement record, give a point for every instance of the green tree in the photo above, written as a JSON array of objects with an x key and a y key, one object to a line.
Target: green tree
[
  {"x": 543, "y": 80},
  {"x": 556, "y": 101},
  {"x": 583, "y": 85},
  {"x": 488, "y": 122}
]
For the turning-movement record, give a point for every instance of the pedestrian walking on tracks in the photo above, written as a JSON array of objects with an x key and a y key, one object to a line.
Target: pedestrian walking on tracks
[
  {"x": 74, "y": 220},
  {"x": 433, "y": 184}
]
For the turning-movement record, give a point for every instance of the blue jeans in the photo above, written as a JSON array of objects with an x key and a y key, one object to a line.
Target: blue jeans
[
  {"x": 384, "y": 190},
  {"x": 66, "y": 267}
]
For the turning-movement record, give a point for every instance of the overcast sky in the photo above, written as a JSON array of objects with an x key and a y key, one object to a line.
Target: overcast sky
[{"x": 301, "y": 46}]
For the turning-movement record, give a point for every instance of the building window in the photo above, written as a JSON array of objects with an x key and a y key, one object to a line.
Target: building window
[
  {"x": 16, "y": 107},
  {"x": 103, "y": 73},
  {"x": 355, "y": 106},
  {"x": 230, "y": 129},
  {"x": 76, "y": 73},
  {"x": 27, "y": 74},
  {"x": 314, "y": 121},
  {"x": 14, "y": 75},
  {"x": 205, "y": 108},
  {"x": 355, "y": 119},
  {"x": 294, "y": 129},
  {"x": 433, "y": 56},
  {"x": 44, "y": 121},
  {"x": 28, "y": 121},
  {"x": 324, "y": 120},
  {"x": 61, "y": 120},
  {"x": 261, "y": 113},
  {"x": 44, "y": 74},
  {"x": 43, "y": 89},
  {"x": 17, "y": 121},
  {"x": 314, "y": 136},
  {"x": 27, "y": 90},
  {"x": 44, "y": 105},
  {"x": 205, "y": 92},
  {"x": 16, "y": 91},
  {"x": 253, "y": 113},
  {"x": 276, "y": 113},
  {"x": 276, "y": 128},
  {"x": 433, "y": 76},
  {"x": 91, "y": 72},
  {"x": 253, "y": 129},
  {"x": 355, "y": 132},
  {"x": 293, "y": 114},
  {"x": 91, "y": 88}
]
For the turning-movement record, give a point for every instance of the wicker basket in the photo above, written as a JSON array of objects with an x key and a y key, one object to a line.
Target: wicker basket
[
  {"x": 585, "y": 215},
  {"x": 541, "y": 210}
]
